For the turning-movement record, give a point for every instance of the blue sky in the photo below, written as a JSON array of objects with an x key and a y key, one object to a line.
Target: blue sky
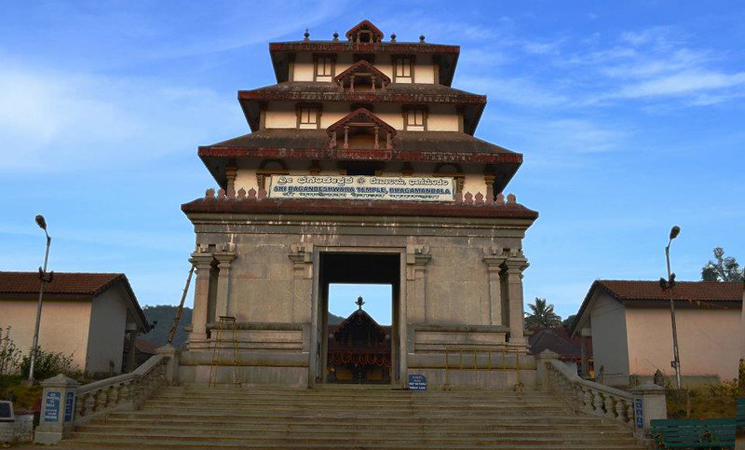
[{"x": 629, "y": 115}]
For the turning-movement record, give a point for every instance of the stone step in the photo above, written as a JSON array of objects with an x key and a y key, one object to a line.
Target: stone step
[
  {"x": 119, "y": 443},
  {"x": 520, "y": 424},
  {"x": 256, "y": 431},
  {"x": 249, "y": 405},
  {"x": 414, "y": 438},
  {"x": 536, "y": 421}
]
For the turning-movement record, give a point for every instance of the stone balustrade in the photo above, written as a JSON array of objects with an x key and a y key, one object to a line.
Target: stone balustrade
[
  {"x": 587, "y": 396},
  {"x": 123, "y": 392},
  {"x": 460, "y": 197}
]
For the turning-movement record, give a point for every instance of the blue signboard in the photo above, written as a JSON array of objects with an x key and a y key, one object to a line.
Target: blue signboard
[
  {"x": 69, "y": 406},
  {"x": 639, "y": 412},
  {"x": 51, "y": 407},
  {"x": 417, "y": 383}
]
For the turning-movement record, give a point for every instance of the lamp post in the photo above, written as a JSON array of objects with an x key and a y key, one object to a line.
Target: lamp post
[
  {"x": 43, "y": 277},
  {"x": 669, "y": 285}
]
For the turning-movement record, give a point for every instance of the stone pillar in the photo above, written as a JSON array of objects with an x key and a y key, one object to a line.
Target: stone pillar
[
  {"x": 489, "y": 179},
  {"x": 513, "y": 267},
  {"x": 172, "y": 366},
  {"x": 417, "y": 258},
  {"x": 57, "y": 419},
  {"x": 493, "y": 259},
  {"x": 202, "y": 261},
  {"x": 230, "y": 173},
  {"x": 540, "y": 364},
  {"x": 649, "y": 400},
  {"x": 584, "y": 336},
  {"x": 224, "y": 257},
  {"x": 302, "y": 287}
]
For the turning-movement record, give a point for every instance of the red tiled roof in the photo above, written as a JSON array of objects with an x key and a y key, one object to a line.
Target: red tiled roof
[
  {"x": 693, "y": 291},
  {"x": 88, "y": 284},
  {"x": 74, "y": 284}
]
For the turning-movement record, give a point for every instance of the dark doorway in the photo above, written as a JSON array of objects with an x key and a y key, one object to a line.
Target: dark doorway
[{"x": 357, "y": 348}]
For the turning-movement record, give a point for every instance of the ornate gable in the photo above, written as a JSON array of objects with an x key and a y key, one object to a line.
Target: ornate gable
[
  {"x": 364, "y": 31},
  {"x": 363, "y": 74},
  {"x": 360, "y": 129}
]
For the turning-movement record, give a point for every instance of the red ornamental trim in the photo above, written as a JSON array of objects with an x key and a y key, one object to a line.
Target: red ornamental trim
[
  {"x": 361, "y": 47},
  {"x": 365, "y": 25},
  {"x": 361, "y": 155},
  {"x": 356, "y": 115},
  {"x": 364, "y": 97},
  {"x": 361, "y": 66}
]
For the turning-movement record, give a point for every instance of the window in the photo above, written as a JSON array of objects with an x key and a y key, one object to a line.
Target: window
[
  {"x": 415, "y": 119},
  {"x": 324, "y": 68},
  {"x": 403, "y": 69},
  {"x": 308, "y": 117}
]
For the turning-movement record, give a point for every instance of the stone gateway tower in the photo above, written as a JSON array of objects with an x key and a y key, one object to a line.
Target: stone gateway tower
[{"x": 360, "y": 167}]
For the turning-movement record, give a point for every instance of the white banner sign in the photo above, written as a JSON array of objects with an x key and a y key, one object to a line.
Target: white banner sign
[{"x": 360, "y": 187}]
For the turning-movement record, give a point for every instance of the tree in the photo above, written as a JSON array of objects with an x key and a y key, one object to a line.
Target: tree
[
  {"x": 542, "y": 315},
  {"x": 569, "y": 321},
  {"x": 723, "y": 268}
]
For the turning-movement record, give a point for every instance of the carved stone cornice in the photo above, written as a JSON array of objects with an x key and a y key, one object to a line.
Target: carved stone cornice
[
  {"x": 493, "y": 257},
  {"x": 302, "y": 256},
  {"x": 516, "y": 262},
  {"x": 202, "y": 257},
  {"x": 417, "y": 257}
]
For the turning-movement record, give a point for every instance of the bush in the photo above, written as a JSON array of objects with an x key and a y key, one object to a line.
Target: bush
[
  {"x": 48, "y": 364},
  {"x": 10, "y": 355}
]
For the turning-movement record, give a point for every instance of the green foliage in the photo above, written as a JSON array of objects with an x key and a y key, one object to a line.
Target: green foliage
[
  {"x": 10, "y": 355},
  {"x": 49, "y": 364},
  {"x": 705, "y": 402},
  {"x": 542, "y": 315},
  {"x": 569, "y": 321},
  {"x": 723, "y": 268},
  {"x": 161, "y": 316}
]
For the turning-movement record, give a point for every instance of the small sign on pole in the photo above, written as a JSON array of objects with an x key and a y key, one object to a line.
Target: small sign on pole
[{"x": 417, "y": 383}]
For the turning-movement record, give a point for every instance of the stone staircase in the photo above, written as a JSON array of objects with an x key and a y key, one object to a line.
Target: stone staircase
[{"x": 199, "y": 417}]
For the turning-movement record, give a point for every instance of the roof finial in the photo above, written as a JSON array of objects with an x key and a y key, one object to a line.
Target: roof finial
[
  {"x": 393, "y": 37},
  {"x": 336, "y": 36},
  {"x": 421, "y": 39},
  {"x": 359, "y": 302},
  {"x": 307, "y": 35}
]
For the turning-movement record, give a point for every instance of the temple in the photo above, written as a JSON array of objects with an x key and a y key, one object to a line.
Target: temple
[{"x": 361, "y": 166}]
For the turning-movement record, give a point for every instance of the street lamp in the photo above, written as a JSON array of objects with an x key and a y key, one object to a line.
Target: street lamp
[
  {"x": 668, "y": 284},
  {"x": 44, "y": 279}
]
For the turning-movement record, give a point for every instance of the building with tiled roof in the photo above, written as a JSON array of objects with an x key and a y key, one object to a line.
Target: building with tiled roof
[
  {"x": 86, "y": 315},
  {"x": 359, "y": 165},
  {"x": 631, "y": 329}
]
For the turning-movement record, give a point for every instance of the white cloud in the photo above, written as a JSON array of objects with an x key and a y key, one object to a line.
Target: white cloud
[
  {"x": 58, "y": 120},
  {"x": 682, "y": 83}
]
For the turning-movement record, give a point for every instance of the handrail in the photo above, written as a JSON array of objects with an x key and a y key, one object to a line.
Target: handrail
[
  {"x": 590, "y": 397},
  {"x": 122, "y": 392}
]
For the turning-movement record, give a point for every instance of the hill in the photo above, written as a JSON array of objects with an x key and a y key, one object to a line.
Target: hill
[{"x": 162, "y": 317}]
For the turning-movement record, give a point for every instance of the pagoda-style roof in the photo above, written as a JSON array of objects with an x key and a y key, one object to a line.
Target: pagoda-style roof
[
  {"x": 408, "y": 146},
  {"x": 283, "y": 53},
  {"x": 306, "y": 91}
]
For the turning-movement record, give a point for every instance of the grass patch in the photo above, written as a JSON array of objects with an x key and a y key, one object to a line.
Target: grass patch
[
  {"x": 706, "y": 402},
  {"x": 26, "y": 396}
]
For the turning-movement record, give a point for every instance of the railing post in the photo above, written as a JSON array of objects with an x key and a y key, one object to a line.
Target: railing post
[
  {"x": 541, "y": 371},
  {"x": 169, "y": 352},
  {"x": 649, "y": 403},
  {"x": 57, "y": 410}
]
